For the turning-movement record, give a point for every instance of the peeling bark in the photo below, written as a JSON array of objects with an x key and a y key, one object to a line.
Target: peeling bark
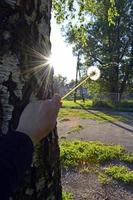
[{"x": 24, "y": 36}]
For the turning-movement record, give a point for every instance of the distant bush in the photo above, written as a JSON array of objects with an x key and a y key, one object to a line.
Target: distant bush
[
  {"x": 126, "y": 104},
  {"x": 122, "y": 106},
  {"x": 102, "y": 104}
]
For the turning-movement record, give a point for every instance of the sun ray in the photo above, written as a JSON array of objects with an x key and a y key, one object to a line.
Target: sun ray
[
  {"x": 37, "y": 62},
  {"x": 35, "y": 68},
  {"x": 45, "y": 80}
]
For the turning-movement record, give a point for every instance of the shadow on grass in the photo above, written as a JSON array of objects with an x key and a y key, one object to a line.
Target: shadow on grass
[{"x": 104, "y": 118}]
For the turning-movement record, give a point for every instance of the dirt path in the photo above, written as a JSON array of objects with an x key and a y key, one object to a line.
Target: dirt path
[
  {"x": 107, "y": 132},
  {"x": 86, "y": 186}
]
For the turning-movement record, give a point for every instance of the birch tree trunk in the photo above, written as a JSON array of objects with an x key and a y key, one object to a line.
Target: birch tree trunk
[{"x": 24, "y": 38}]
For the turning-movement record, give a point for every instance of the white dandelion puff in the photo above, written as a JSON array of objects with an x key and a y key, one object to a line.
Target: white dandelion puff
[{"x": 94, "y": 73}]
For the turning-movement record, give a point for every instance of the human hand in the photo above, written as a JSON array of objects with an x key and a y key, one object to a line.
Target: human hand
[{"x": 39, "y": 118}]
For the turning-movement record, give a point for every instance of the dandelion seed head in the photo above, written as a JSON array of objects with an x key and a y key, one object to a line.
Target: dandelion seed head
[{"x": 94, "y": 73}]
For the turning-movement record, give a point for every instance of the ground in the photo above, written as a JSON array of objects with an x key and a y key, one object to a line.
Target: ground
[{"x": 85, "y": 186}]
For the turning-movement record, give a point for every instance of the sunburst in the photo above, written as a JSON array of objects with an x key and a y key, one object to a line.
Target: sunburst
[{"x": 39, "y": 65}]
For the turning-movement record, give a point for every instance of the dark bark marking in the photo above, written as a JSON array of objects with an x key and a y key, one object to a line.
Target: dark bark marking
[
  {"x": 11, "y": 86},
  {"x": 13, "y": 100},
  {"x": 1, "y": 114}
]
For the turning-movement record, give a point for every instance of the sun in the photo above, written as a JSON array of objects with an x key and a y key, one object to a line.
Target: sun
[
  {"x": 55, "y": 60},
  {"x": 50, "y": 60}
]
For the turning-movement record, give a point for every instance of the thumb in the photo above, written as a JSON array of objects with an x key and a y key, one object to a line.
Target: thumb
[{"x": 56, "y": 98}]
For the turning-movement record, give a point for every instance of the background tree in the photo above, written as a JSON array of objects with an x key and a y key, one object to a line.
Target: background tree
[
  {"x": 102, "y": 31},
  {"x": 25, "y": 76},
  {"x": 60, "y": 84},
  {"x": 110, "y": 47}
]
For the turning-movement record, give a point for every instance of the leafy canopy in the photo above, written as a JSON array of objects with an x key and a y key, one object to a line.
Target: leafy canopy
[{"x": 77, "y": 13}]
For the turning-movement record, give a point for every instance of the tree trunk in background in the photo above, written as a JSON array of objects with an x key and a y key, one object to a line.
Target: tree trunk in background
[
  {"x": 76, "y": 80},
  {"x": 24, "y": 36}
]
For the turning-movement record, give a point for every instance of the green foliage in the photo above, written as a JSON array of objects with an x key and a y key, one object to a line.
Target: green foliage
[
  {"x": 125, "y": 105},
  {"x": 67, "y": 196},
  {"x": 76, "y": 15},
  {"x": 78, "y": 10},
  {"x": 93, "y": 87},
  {"x": 112, "y": 13},
  {"x": 79, "y": 153},
  {"x": 79, "y": 33},
  {"x": 127, "y": 157},
  {"x": 120, "y": 173}
]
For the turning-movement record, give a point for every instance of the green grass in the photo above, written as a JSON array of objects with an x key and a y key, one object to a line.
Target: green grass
[
  {"x": 88, "y": 157},
  {"x": 76, "y": 153},
  {"x": 121, "y": 173},
  {"x": 72, "y": 104},
  {"x": 67, "y": 196},
  {"x": 67, "y": 113},
  {"x": 125, "y": 105},
  {"x": 127, "y": 157}
]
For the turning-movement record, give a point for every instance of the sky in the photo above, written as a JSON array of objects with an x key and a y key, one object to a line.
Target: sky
[{"x": 62, "y": 56}]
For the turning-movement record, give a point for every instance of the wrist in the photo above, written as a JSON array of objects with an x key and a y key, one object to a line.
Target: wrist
[{"x": 27, "y": 132}]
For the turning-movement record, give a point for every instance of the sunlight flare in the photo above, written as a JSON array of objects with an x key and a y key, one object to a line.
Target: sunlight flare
[{"x": 39, "y": 65}]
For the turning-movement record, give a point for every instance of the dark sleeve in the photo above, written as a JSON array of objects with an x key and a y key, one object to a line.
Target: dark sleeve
[{"x": 16, "y": 151}]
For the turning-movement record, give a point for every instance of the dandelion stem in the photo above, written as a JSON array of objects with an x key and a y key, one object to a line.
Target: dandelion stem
[{"x": 68, "y": 93}]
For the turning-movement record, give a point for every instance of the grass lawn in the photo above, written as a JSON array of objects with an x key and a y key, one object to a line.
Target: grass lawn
[
  {"x": 72, "y": 104},
  {"x": 67, "y": 113},
  {"x": 101, "y": 104}
]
